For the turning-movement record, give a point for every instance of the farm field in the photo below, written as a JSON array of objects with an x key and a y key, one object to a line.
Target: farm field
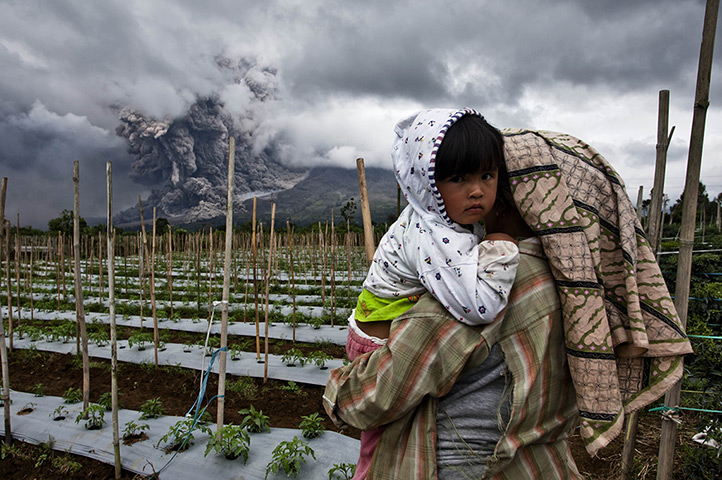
[{"x": 306, "y": 286}]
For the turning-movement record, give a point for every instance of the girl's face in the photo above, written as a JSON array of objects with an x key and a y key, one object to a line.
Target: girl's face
[{"x": 469, "y": 198}]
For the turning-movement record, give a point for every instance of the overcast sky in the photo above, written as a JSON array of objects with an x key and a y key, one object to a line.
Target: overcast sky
[{"x": 345, "y": 72}]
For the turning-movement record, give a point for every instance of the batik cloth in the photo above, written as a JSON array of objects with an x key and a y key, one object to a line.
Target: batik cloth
[{"x": 624, "y": 340}]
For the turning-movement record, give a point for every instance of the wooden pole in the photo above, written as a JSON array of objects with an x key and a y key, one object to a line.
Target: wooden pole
[
  {"x": 255, "y": 280},
  {"x": 293, "y": 283},
  {"x": 689, "y": 209},
  {"x": 226, "y": 284},
  {"x": 365, "y": 211},
  {"x": 79, "y": 307},
  {"x": 3, "y": 348},
  {"x": 6, "y": 225},
  {"x": 151, "y": 264},
  {"x": 653, "y": 228},
  {"x": 640, "y": 201},
  {"x": 110, "y": 233},
  {"x": 268, "y": 284},
  {"x": 663, "y": 140}
]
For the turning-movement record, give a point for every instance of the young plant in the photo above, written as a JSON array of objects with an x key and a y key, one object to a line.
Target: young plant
[
  {"x": 106, "y": 401},
  {"x": 311, "y": 425},
  {"x": 152, "y": 408},
  {"x": 134, "y": 431},
  {"x": 342, "y": 471},
  {"x": 98, "y": 337},
  {"x": 232, "y": 441},
  {"x": 72, "y": 395},
  {"x": 245, "y": 386},
  {"x": 235, "y": 352},
  {"x": 93, "y": 416},
  {"x": 140, "y": 339},
  {"x": 292, "y": 387},
  {"x": 180, "y": 436},
  {"x": 289, "y": 456},
  {"x": 39, "y": 390},
  {"x": 254, "y": 421},
  {"x": 292, "y": 356},
  {"x": 59, "y": 413},
  {"x": 319, "y": 358}
]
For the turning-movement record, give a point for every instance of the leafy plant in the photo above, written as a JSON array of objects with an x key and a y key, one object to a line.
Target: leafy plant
[
  {"x": 289, "y": 456},
  {"x": 106, "y": 401},
  {"x": 180, "y": 435},
  {"x": 245, "y": 386},
  {"x": 342, "y": 471},
  {"x": 72, "y": 395},
  {"x": 133, "y": 429},
  {"x": 152, "y": 408},
  {"x": 230, "y": 440},
  {"x": 311, "y": 425},
  {"x": 39, "y": 390},
  {"x": 319, "y": 358},
  {"x": 140, "y": 339},
  {"x": 93, "y": 416},
  {"x": 59, "y": 413},
  {"x": 254, "y": 421},
  {"x": 98, "y": 337},
  {"x": 292, "y": 356},
  {"x": 292, "y": 387}
]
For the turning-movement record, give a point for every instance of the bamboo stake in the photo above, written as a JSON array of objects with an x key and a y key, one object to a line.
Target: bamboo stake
[
  {"x": 156, "y": 338},
  {"x": 255, "y": 280},
  {"x": 689, "y": 209},
  {"x": 79, "y": 306},
  {"x": 210, "y": 272},
  {"x": 333, "y": 270},
  {"x": 17, "y": 267},
  {"x": 365, "y": 211},
  {"x": 9, "y": 286},
  {"x": 100, "y": 265},
  {"x": 143, "y": 260},
  {"x": 170, "y": 269},
  {"x": 293, "y": 283},
  {"x": 31, "y": 279},
  {"x": 653, "y": 222},
  {"x": 110, "y": 232},
  {"x": 268, "y": 284},
  {"x": 3, "y": 347},
  {"x": 226, "y": 284},
  {"x": 640, "y": 201}
]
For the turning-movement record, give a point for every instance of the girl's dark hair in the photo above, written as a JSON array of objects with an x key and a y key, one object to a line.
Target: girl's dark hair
[{"x": 472, "y": 145}]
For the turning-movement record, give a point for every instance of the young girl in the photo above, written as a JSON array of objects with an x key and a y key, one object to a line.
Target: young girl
[{"x": 448, "y": 162}]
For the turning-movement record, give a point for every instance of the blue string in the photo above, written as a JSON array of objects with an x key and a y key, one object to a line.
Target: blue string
[{"x": 198, "y": 415}]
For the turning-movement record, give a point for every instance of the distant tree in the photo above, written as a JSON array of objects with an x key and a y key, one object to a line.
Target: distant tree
[
  {"x": 161, "y": 226},
  {"x": 702, "y": 204},
  {"x": 64, "y": 223},
  {"x": 348, "y": 210}
]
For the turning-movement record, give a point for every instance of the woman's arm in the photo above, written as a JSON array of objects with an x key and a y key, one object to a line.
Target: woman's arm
[{"x": 425, "y": 354}]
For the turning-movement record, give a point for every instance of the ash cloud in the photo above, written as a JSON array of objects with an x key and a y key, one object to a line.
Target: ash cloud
[{"x": 184, "y": 159}]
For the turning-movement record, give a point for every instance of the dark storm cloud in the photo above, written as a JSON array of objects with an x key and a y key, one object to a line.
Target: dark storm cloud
[{"x": 342, "y": 74}]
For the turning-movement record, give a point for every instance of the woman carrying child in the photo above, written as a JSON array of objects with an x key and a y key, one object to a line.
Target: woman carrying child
[{"x": 589, "y": 334}]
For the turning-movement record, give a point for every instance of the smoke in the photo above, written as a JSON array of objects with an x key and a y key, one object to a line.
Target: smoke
[{"x": 184, "y": 159}]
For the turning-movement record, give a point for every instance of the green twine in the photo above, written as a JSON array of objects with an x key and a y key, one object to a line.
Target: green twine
[
  {"x": 705, "y": 336},
  {"x": 665, "y": 408}
]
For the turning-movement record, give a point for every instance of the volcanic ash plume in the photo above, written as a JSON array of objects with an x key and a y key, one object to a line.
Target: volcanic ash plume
[{"x": 186, "y": 157}]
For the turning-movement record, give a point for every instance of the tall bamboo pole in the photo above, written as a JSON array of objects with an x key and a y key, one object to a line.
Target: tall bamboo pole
[
  {"x": 110, "y": 233},
  {"x": 3, "y": 348},
  {"x": 365, "y": 211},
  {"x": 268, "y": 284},
  {"x": 156, "y": 337},
  {"x": 255, "y": 280},
  {"x": 293, "y": 283},
  {"x": 79, "y": 307},
  {"x": 170, "y": 269},
  {"x": 653, "y": 223},
  {"x": 226, "y": 284},
  {"x": 17, "y": 267},
  {"x": 689, "y": 209},
  {"x": 6, "y": 225}
]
